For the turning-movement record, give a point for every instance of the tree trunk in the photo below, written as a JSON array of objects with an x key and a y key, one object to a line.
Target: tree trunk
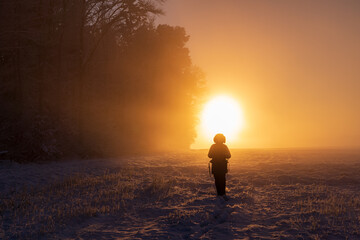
[
  {"x": 81, "y": 103},
  {"x": 59, "y": 65},
  {"x": 41, "y": 59}
]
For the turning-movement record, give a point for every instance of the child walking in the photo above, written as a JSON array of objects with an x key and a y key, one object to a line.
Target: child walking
[{"x": 219, "y": 154}]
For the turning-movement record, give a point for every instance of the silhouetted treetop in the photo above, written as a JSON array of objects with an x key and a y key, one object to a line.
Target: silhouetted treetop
[{"x": 93, "y": 77}]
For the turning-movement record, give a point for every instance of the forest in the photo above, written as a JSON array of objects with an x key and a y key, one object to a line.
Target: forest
[{"x": 93, "y": 78}]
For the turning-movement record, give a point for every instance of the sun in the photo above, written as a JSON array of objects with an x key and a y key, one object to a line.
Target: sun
[{"x": 222, "y": 114}]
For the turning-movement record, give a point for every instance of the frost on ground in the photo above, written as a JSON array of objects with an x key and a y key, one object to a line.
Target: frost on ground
[{"x": 274, "y": 194}]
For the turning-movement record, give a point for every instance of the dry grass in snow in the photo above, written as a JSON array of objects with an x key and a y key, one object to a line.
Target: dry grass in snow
[{"x": 274, "y": 194}]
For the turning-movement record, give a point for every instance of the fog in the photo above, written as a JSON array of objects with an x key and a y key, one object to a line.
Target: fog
[
  {"x": 93, "y": 79},
  {"x": 293, "y": 66},
  {"x": 96, "y": 79}
]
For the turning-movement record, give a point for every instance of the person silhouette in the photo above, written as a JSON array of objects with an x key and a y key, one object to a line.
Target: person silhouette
[{"x": 219, "y": 154}]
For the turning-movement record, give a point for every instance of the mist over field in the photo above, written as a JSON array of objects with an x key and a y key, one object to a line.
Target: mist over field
[
  {"x": 191, "y": 119},
  {"x": 292, "y": 65}
]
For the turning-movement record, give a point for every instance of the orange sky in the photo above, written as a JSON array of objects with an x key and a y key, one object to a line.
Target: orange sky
[{"x": 293, "y": 65}]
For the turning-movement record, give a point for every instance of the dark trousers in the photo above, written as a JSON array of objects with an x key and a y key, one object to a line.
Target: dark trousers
[{"x": 220, "y": 183}]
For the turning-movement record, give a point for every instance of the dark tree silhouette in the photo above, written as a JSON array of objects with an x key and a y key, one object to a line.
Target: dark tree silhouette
[{"x": 93, "y": 77}]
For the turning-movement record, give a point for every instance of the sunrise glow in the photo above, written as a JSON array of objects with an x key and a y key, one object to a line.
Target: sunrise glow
[{"x": 222, "y": 114}]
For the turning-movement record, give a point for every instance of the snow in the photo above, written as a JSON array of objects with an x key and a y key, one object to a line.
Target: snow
[{"x": 273, "y": 194}]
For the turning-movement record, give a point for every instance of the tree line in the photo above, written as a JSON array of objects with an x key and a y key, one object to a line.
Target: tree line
[{"x": 93, "y": 78}]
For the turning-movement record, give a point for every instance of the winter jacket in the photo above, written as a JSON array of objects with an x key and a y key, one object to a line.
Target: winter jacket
[{"x": 219, "y": 153}]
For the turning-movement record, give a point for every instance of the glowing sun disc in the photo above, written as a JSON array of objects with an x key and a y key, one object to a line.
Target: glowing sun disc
[{"x": 222, "y": 114}]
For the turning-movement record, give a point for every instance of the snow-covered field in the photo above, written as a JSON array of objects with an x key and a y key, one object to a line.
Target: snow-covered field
[{"x": 274, "y": 194}]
